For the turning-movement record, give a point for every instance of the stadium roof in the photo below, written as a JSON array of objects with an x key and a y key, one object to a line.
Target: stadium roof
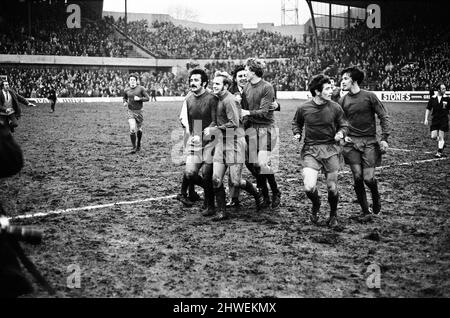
[{"x": 358, "y": 4}]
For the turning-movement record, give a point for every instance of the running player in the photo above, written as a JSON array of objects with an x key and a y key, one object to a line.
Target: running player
[
  {"x": 133, "y": 98},
  {"x": 324, "y": 125},
  {"x": 362, "y": 151}
]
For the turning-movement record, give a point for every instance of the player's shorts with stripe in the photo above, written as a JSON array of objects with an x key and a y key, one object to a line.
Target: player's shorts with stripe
[
  {"x": 364, "y": 151},
  {"x": 321, "y": 157},
  {"x": 137, "y": 115},
  {"x": 230, "y": 149},
  {"x": 260, "y": 139}
]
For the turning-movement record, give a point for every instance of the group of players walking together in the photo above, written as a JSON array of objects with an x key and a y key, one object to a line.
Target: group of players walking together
[{"x": 233, "y": 124}]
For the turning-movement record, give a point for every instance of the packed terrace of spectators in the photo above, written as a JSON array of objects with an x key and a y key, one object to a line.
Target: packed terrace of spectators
[
  {"x": 52, "y": 37},
  {"x": 167, "y": 40},
  {"x": 84, "y": 82},
  {"x": 400, "y": 58}
]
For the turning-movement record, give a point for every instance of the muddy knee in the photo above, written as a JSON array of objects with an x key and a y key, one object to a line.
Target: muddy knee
[
  {"x": 310, "y": 188},
  {"x": 217, "y": 182},
  {"x": 370, "y": 181},
  {"x": 237, "y": 183}
]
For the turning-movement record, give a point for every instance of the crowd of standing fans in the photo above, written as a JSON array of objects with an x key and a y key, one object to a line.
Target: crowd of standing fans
[
  {"x": 83, "y": 82},
  {"x": 396, "y": 58},
  {"x": 52, "y": 37},
  {"x": 167, "y": 40}
]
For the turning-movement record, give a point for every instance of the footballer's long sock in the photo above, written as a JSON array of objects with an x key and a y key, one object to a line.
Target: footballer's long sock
[
  {"x": 220, "y": 197},
  {"x": 272, "y": 183},
  {"x": 314, "y": 197},
  {"x": 373, "y": 186},
  {"x": 139, "y": 137},
  {"x": 360, "y": 191},
  {"x": 133, "y": 139},
  {"x": 208, "y": 185},
  {"x": 191, "y": 190},
  {"x": 197, "y": 180},
  {"x": 184, "y": 185},
  {"x": 251, "y": 167},
  {"x": 262, "y": 184},
  {"x": 250, "y": 188},
  {"x": 333, "y": 199}
]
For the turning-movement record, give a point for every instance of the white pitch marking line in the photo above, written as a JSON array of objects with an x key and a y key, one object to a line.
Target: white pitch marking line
[
  {"x": 88, "y": 208},
  {"x": 398, "y": 149},
  {"x": 95, "y": 207},
  {"x": 385, "y": 167}
]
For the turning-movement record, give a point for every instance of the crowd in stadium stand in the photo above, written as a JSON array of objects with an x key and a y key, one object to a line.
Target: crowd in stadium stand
[
  {"x": 167, "y": 40},
  {"x": 51, "y": 37},
  {"x": 82, "y": 82},
  {"x": 398, "y": 58}
]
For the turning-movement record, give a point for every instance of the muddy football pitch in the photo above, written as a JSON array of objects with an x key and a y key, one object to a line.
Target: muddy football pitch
[{"x": 112, "y": 227}]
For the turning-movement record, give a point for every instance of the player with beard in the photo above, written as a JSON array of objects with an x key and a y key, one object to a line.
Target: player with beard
[
  {"x": 361, "y": 150},
  {"x": 133, "y": 98},
  {"x": 229, "y": 150},
  {"x": 324, "y": 125},
  {"x": 260, "y": 128},
  {"x": 201, "y": 113}
]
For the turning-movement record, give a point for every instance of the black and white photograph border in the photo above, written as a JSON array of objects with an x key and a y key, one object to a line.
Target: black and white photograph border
[{"x": 96, "y": 104}]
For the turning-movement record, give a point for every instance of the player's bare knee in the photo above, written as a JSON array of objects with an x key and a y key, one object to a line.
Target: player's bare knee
[
  {"x": 310, "y": 188},
  {"x": 334, "y": 192},
  {"x": 217, "y": 182},
  {"x": 332, "y": 187},
  {"x": 236, "y": 183},
  {"x": 369, "y": 180},
  {"x": 242, "y": 183}
]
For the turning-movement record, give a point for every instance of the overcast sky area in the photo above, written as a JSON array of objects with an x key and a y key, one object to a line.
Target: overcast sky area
[{"x": 247, "y": 12}]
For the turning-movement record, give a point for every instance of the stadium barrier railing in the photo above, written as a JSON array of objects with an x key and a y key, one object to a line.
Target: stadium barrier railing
[{"x": 385, "y": 96}]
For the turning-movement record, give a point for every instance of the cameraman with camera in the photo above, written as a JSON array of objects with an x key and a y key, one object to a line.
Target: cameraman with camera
[{"x": 13, "y": 282}]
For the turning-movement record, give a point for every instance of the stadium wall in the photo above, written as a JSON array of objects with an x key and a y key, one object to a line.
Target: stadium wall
[
  {"x": 384, "y": 96},
  {"x": 406, "y": 96}
]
